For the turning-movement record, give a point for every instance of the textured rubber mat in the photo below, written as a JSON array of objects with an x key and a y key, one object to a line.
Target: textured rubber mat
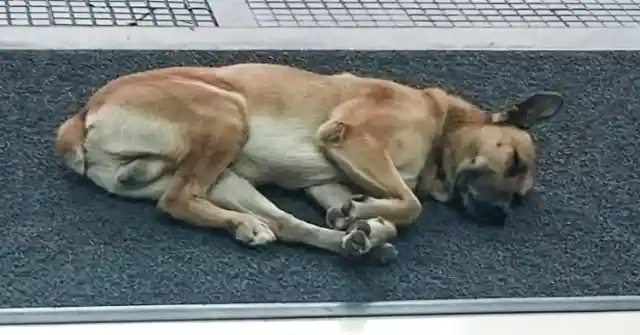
[
  {"x": 187, "y": 13},
  {"x": 447, "y": 13},
  {"x": 66, "y": 242}
]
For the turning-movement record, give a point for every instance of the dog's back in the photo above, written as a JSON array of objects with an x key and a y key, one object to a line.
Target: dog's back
[{"x": 140, "y": 115}]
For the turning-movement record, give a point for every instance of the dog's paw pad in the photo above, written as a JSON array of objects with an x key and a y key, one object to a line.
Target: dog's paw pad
[
  {"x": 339, "y": 218},
  {"x": 356, "y": 243},
  {"x": 361, "y": 225},
  {"x": 334, "y": 218},
  {"x": 349, "y": 207},
  {"x": 343, "y": 217}
]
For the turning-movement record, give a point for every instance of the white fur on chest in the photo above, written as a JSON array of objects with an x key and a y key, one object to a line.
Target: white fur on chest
[{"x": 282, "y": 152}]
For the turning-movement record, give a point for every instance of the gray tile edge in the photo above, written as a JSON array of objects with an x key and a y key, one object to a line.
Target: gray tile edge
[
  {"x": 232, "y": 13},
  {"x": 325, "y": 309},
  {"x": 170, "y": 38}
]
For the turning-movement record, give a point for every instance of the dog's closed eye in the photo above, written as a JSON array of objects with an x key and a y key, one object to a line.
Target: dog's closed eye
[{"x": 516, "y": 166}]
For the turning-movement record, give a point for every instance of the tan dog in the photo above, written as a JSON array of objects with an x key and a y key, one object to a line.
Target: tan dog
[{"x": 199, "y": 140}]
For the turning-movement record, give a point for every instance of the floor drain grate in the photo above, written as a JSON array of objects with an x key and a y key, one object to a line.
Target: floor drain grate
[
  {"x": 446, "y": 13},
  {"x": 181, "y": 13}
]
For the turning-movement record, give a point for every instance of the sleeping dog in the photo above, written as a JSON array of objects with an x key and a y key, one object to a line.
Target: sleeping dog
[{"x": 199, "y": 140}]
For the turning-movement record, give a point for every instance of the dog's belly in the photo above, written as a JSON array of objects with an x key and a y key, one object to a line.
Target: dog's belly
[{"x": 282, "y": 152}]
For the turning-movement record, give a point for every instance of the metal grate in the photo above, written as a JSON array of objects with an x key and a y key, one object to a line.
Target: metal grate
[
  {"x": 188, "y": 13},
  {"x": 446, "y": 13}
]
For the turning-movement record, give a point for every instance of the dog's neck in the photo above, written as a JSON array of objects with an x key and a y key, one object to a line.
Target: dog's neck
[{"x": 460, "y": 114}]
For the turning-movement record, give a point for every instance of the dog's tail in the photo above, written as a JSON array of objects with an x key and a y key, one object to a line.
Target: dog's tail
[{"x": 69, "y": 144}]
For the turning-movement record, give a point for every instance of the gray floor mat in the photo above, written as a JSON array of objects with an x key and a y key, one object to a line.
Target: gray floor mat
[{"x": 64, "y": 242}]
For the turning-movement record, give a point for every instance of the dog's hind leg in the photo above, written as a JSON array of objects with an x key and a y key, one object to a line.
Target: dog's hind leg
[
  {"x": 236, "y": 193},
  {"x": 365, "y": 160},
  {"x": 209, "y": 156}
]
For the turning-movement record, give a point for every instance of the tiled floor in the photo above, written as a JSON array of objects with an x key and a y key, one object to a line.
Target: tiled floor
[
  {"x": 325, "y": 13},
  {"x": 188, "y": 13},
  {"x": 447, "y": 13}
]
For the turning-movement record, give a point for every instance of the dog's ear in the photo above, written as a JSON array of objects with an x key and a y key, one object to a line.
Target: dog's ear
[{"x": 535, "y": 109}]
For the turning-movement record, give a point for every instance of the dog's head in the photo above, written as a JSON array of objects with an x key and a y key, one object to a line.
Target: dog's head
[{"x": 492, "y": 163}]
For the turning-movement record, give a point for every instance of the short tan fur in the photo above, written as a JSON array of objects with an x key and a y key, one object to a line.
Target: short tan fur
[{"x": 200, "y": 140}]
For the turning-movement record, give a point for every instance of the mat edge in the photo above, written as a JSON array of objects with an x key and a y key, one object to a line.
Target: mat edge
[
  {"x": 147, "y": 313},
  {"x": 370, "y": 39}
]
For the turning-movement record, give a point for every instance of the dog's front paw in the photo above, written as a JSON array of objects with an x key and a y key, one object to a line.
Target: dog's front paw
[
  {"x": 356, "y": 242},
  {"x": 254, "y": 232},
  {"x": 343, "y": 217},
  {"x": 372, "y": 235}
]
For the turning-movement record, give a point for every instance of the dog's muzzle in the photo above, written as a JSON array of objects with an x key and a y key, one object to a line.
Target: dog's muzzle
[
  {"x": 483, "y": 202},
  {"x": 492, "y": 212}
]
